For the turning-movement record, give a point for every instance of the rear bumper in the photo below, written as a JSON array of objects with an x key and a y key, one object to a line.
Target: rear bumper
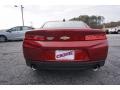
[
  {"x": 66, "y": 65},
  {"x": 91, "y": 50}
]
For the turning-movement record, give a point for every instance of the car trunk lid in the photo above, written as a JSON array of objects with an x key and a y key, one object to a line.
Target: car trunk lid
[{"x": 65, "y": 34}]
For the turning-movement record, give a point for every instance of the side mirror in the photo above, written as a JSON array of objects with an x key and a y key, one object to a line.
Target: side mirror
[{"x": 9, "y": 31}]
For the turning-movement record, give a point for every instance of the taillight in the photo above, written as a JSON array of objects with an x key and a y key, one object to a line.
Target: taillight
[
  {"x": 95, "y": 37},
  {"x": 34, "y": 37}
]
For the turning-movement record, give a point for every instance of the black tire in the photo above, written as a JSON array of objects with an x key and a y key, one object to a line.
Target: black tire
[
  {"x": 107, "y": 32},
  {"x": 118, "y": 31},
  {"x": 3, "y": 38}
]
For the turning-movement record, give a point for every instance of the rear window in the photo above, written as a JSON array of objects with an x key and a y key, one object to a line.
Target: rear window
[{"x": 67, "y": 24}]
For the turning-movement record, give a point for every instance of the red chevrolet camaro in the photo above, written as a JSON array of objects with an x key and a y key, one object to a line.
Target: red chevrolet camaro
[{"x": 65, "y": 45}]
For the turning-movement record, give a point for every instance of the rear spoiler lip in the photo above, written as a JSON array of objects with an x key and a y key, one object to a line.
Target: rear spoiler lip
[{"x": 66, "y": 29}]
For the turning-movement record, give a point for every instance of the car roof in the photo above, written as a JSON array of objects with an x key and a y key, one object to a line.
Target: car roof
[
  {"x": 22, "y": 26},
  {"x": 64, "y": 21}
]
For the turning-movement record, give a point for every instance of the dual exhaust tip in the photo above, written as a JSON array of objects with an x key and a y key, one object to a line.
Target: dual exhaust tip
[
  {"x": 34, "y": 67},
  {"x": 96, "y": 68}
]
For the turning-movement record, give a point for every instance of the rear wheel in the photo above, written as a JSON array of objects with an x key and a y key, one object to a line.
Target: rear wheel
[
  {"x": 118, "y": 32},
  {"x": 107, "y": 31},
  {"x": 3, "y": 39}
]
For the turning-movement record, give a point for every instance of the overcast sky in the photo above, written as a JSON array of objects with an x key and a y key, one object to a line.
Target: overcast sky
[{"x": 36, "y": 15}]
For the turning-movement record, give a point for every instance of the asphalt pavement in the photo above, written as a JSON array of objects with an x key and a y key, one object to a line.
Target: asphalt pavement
[{"x": 13, "y": 70}]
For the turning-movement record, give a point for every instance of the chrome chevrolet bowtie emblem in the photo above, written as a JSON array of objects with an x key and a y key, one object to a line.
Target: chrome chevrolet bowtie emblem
[
  {"x": 64, "y": 37},
  {"x": 50, "y": 38}
]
